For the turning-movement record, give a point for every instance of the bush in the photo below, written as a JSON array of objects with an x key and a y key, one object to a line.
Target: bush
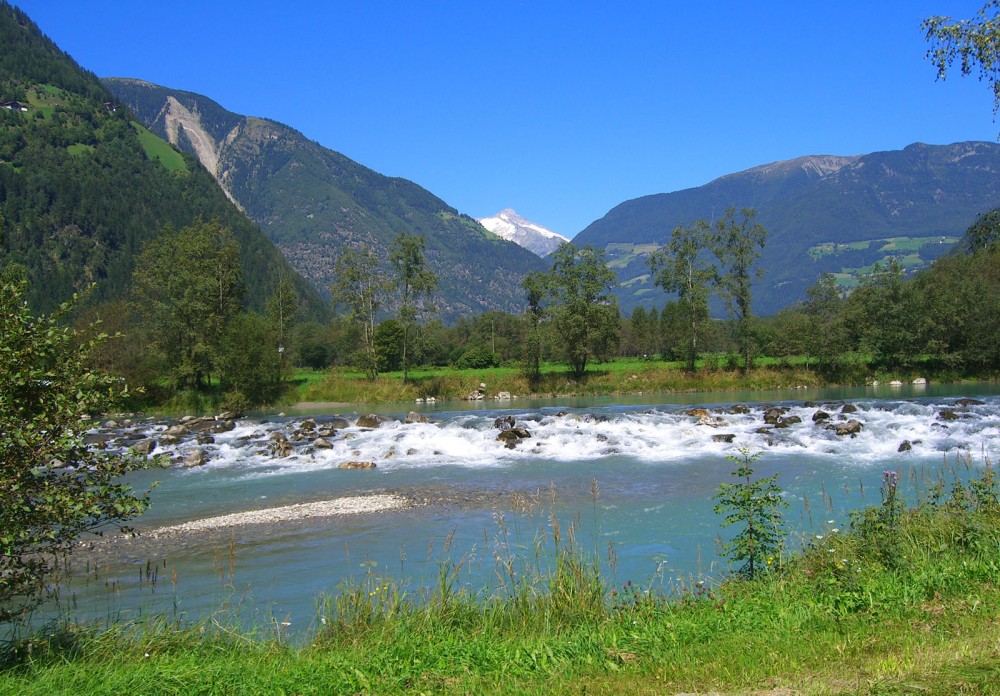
[
  {"x": 477, "y": 358},
  {"x": 52, "y": 487}
]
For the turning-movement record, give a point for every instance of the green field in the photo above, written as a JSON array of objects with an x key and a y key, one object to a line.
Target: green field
[
  {"x": 885, "y": 245},
  {"x": 621, "y": 254},
  {"x": 157, "y": 148}
]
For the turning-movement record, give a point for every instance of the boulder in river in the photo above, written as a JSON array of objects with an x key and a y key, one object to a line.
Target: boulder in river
[
  {"x": 372, "y": 420},
  {"x": 851, "y": 427},
  {"x": 414, "y": 417},
  {"x": 969, "y": 402},
  {"x": 195, "y": 458},
  {"x": 321, "y": 443},
  {"x": 144, "y": 447},
  {"x": 724, "y": 437},
  {"x": 772, "y": 415},
  {"x": 356, "y": 465},
  {"x": 820, "y": 416}
]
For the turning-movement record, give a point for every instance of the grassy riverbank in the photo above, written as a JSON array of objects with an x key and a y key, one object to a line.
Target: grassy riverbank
[
  {"x": 903, "y": 602},
  {"x": 606, "y": 379}
]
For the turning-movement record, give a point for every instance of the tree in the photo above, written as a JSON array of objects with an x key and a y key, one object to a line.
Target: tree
[
  {"x": 680, "y": 267},
  {"x": 53, "y": 488},
  {"x": 414, "y": 283},
  {"x": 974, "y": 43},
  {"x": 535, "y": 288},
  {"x": 884, "y": 317},
  {"x": 756, "y": 505},
  {"x": 737, "y": 242},
  {"x": 190, "y": 283},
  {"x": 246, "y": 360},
  {"x": 282, "y": 313},
  {"x": 362, "y": 289},
  {"x": 584, "y": 312},
  {"x": 824, "y": 306}
]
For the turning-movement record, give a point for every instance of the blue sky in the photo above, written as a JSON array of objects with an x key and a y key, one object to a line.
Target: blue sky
[{"x": 560, "y": 110}]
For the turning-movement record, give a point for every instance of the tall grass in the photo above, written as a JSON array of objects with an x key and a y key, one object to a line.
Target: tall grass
[{"x": 905, "y": 600}]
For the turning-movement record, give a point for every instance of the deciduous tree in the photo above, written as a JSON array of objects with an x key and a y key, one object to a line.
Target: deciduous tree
[
  {"x": 362, "y": 289},
  {"x": 680, "y": 267},
  {"x": 53, "y": 488},
  {"x": 737, "y": 241},
  {"x": 414, "y": 282},
  {"x": 973, "y": 43},
  {"x": 190, "y": 283},
  {"x": 584, "y": 312}
]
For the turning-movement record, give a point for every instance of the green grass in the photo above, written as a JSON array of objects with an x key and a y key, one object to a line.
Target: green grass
[
  {"x": 907, "y": 602},
  {"x": 623, "y": 376},
  {"x": 80, "y": 149},
  {"x": 157, "y": 148}
]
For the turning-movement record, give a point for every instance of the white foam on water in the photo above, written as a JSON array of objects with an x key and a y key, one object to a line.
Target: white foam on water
[{"x": 650, "y": 435}]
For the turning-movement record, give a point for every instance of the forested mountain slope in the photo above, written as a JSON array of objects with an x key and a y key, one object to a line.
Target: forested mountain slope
[
  {"x": 83, "y": 185},
  {"x": 822, "y": 213},
  {"x": 311, "y": 200}
]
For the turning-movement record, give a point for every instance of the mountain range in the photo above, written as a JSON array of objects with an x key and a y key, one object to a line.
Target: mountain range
[
  {"x": 508, "y": 225},
  {"x": 83, "y": 187},
  {"x": 837, "y": 214},
  {"x": 310, "y": 201}
]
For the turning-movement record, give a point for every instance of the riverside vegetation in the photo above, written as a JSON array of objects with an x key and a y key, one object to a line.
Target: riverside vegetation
[{"x": 907, "y": 599}]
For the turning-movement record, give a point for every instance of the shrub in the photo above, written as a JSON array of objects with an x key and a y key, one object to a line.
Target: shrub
[{"x": 52, "y": 487}]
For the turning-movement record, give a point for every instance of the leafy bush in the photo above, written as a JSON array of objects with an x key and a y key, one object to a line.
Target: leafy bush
[
  {"x": 477, "y": 358},
  {"x": 53, "y": 488}
]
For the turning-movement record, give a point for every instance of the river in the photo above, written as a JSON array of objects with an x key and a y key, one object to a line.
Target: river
[{"x": 632, "y": 478}]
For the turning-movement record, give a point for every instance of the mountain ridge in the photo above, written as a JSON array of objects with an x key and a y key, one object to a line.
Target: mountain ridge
[
  {"x": 83, "y": 187},
  {"x": 824, "y": 213},
  {"x": 311, "y": 200}
]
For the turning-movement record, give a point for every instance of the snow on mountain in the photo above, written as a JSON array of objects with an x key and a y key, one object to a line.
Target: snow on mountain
[{"x": 510, "y": 226}]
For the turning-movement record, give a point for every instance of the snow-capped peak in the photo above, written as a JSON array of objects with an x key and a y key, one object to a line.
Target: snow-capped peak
[{"x": 508, "y": 225}]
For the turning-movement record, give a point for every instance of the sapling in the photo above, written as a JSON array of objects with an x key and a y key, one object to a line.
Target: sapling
[{"x": 756, "y": 506}]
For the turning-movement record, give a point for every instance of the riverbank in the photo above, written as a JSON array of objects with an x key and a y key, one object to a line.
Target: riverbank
[{"x": 904, "y": 601}]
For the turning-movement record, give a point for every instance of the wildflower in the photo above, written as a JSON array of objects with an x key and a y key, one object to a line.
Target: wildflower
[
  {"x": 834, "y": 530},
  {"x": 819, "y": 536}
]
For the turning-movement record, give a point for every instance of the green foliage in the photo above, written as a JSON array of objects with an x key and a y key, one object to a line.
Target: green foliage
[
  {"x": 82, "y": 191},
  {"x": 476, "y": 358},
  {"x": 737, "y": 242},
  {"x": 389, "y": 337},
  {"x": 585, "y": 314},
  {"x": 362, "y": 289},
  {"x": 248, "y": 361},
  {"x": 973, "y": 43},
  {"x": 535, "y": 289},
  {"x": 983, "y": 233},
  {"x": 755, "y": 505},
  {"x": 53, "y": 488},
  {"x": 884, "y": 315},
  {"x": 190, "y": 284},
  {"x": 414, "y": 283},
  {"x": 680, "y": 267}
]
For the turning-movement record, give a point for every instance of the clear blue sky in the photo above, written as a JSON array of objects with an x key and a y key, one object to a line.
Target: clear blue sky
[{"x": 561, "y": 110}]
